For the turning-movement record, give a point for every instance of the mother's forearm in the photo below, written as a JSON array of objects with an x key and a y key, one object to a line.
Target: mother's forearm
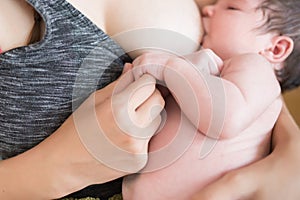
[
  {"x": 56, "y": 167},
  {"x": 28, "y": 176}
]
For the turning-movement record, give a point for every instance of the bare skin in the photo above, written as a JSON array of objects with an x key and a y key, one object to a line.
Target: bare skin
[
  {"x": 66, "y": 164},
  {"x": 43, "y": 180}
]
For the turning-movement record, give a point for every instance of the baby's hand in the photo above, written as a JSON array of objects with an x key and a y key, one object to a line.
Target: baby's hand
[
  {"x": 151, "y": 63},
  {"x": 206, "y": 61}
]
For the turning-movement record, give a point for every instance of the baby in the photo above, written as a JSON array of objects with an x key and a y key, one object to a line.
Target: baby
[{"x": 221, "y": 96}]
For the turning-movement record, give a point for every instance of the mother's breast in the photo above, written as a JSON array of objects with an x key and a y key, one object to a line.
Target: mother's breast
[{"x": 170, "y": 25}]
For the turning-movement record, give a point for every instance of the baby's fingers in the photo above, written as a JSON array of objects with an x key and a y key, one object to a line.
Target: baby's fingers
[{"x": 206, "y": 61}]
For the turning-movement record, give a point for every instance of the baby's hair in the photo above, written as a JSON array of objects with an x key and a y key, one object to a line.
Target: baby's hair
[{"x": 283, "y": 17}]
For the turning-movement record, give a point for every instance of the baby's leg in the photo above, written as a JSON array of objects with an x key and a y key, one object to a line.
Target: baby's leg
[{"x": 181, "y": 178}]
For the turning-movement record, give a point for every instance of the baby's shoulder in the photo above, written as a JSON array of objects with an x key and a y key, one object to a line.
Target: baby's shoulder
[{"x": 247, "y": 60}]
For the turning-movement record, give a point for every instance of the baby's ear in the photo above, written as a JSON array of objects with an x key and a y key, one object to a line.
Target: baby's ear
[{"x": 282, "y": 47}]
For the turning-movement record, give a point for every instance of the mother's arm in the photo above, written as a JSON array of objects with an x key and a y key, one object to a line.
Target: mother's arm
[
  {"x": 61, "y": 164},
  {"x": 275, "y": 177}
]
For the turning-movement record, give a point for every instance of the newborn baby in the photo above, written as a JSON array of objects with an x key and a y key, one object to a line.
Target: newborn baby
[{"x": 182, "y": 159}]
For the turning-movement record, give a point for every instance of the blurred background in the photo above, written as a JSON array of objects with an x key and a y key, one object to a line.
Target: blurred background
[{"x": 292, "y": 99}]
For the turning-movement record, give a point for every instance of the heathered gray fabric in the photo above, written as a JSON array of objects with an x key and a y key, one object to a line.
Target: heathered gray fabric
[{"x": 37, "y": 82}]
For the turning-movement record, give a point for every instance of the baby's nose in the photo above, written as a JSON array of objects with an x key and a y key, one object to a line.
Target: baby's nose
[{"x": 208, "y": 11}]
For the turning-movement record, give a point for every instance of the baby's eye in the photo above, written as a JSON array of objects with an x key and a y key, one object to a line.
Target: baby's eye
[{"x": 232, "y": 8}]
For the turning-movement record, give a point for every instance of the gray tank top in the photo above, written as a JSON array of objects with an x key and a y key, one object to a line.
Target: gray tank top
[{"x": 42, "y": 83}]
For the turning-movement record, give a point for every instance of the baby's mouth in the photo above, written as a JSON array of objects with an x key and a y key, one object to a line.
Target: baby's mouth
[
  {"x": 203, "y": 37},
  {"x": 204, "y": 26}
]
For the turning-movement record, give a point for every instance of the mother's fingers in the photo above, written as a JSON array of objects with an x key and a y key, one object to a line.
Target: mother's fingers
[
  {"x": 285, "y": 129},
  {"x": 148, "y": 114},
  {"x": 240, "y": 184},
  {"x": 137, "y": 108},
  {"x": 140, "y": 90}
]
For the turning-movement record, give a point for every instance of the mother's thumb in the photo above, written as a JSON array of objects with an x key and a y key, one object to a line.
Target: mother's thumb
[{"x": 232, "y": 186}]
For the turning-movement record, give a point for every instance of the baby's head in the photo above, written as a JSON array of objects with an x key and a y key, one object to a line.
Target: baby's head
[
  {"x": 168, "y": 25},
  {"x": 268, "y": 27},
  {"x": 283, "y": 17}
]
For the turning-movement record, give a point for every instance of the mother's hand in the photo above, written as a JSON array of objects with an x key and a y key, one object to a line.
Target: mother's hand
[
  {"x": 63, "y": 163},
  {"x": 275, "y": 177},
  {"x": 116, "y": 129}
]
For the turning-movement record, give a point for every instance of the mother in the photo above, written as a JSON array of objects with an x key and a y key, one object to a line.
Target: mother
[
  {"x": 37, "y": 94},
  {"x": 48, "y": 49}
]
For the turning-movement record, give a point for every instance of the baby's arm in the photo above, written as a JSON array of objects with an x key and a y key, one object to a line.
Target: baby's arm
[
  {"x": 219, "y": 106},
  {"x": 205, "y": 61},
  {"x": 250, "y": 86}
]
